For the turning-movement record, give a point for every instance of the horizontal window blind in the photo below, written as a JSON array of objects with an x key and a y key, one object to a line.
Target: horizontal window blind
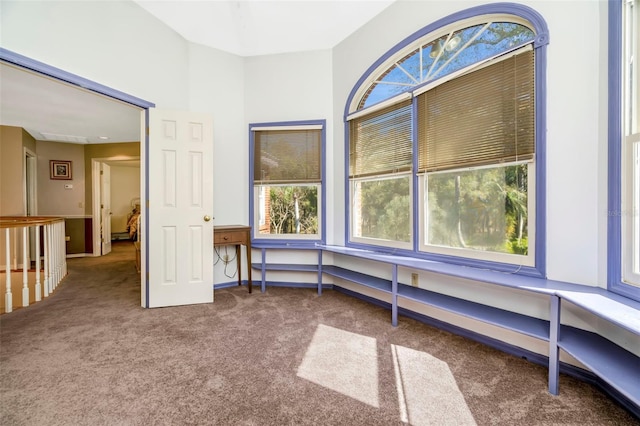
[
  {"x": 287, "y": 156},
  {"x": 485, "y": 117},
  {"x": 380, "y": 142}
]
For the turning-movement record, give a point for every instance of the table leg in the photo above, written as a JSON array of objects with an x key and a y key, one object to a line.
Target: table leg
[
  {"x": 239, "y": 263},
  {"x": 249, "y": 264}
]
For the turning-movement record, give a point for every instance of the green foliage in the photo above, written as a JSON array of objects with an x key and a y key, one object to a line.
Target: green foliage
[
  {"x": 282, "y": 209},
  {"x": 482, "y": 209},
  {"x": 385, "y": 209}
]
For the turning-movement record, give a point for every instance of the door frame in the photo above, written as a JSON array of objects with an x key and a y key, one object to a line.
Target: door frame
[
  {"x": 30, "y": 168},
  {"x": 96, "y": 192},
  {"x": 30, "y": 194},
  {"x": 58, "y": 74}
]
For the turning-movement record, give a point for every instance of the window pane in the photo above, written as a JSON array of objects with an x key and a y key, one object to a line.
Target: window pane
[
  {"x": 287, "y": 156},
  {"x": 380, "y": 143},
  {"x": 381, "y": 209},
  {"x": 496, "y": 38},
  {"x": 440, "y": 57},
  {"x": 630, "y": 148},
  {"x": 289, "y": 209},
  {"x": 482, "y": 118},
  {"x": 483, "y": 209},
  {"x": 635, "y": 213},
  {"x": 631, "y": 221}
]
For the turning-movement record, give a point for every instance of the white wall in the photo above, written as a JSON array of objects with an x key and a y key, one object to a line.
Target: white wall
[
  {"x": 115, "y": 43},
  {"x": 576, "y": 88},
  {"x": 216, "y": 86},
  {"x": 293, "y": 87}
]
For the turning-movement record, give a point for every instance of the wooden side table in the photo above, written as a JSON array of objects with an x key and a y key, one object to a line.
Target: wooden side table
[{"x": 235, "y": 235}]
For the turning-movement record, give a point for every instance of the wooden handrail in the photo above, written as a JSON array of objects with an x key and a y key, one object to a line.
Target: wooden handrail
[
  {"x": 21, "y": 221},
  {"x": 48, "y": 230}
]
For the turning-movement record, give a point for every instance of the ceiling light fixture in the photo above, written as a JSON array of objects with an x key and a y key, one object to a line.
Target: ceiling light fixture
[
  {"x": 453, "y": 43},
  {"x": 449, "y": 46},
  {"x": 436, "y": 49}
]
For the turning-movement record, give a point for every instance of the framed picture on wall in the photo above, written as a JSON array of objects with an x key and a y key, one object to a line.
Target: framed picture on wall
[{"x": 60, "y": 170}]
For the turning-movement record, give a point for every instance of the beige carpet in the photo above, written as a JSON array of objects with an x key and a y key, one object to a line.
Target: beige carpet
[{"x": 89, "y": 355}]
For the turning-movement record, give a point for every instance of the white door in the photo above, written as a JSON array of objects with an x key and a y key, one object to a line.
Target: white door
[
  {"x": 105, "y": 208},
  {"x": 180, "y": 207}
]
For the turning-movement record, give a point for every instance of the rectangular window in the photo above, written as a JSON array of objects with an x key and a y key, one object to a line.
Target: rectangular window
[
  {"x": 630, "y": 150},
  {"x": 382, "y": 208},
  {"x": 476, "y": 152},
  {"x": 483, "y": 212},
  {"x": 380, "y": 163},
  {"x": 287, "y": 181}
]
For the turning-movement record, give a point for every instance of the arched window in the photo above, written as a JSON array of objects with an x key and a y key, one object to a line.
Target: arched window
[
  {"x": 443, "y": 56},
  {"x": 444, "y": 136}
]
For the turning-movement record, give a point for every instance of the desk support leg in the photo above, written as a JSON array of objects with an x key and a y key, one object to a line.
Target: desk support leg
[
  {"x": 239, "y": 263},
  {"x": 319, "y": 272},
  {"x": 394, "y": 296},
  {"x": 249, "y": 263},
  {"x": 264, "y": 265},
  {"x": 554, "y": 351}
]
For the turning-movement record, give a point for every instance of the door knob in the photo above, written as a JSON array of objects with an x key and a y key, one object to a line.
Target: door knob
[{"x": 207, "y": 218}]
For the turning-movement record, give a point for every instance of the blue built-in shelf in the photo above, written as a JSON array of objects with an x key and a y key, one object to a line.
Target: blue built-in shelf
[
  {"x": 616, "y": 369},
  {"x": 530, "y": 326},
  {"x": 358, "y": 277},
  {"x": 265, "y": 267},
  {"x": 605, "y": 359},
  {"x": 285, "y": 267}
]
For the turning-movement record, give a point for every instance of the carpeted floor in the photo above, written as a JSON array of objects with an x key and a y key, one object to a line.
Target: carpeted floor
[{"x": 90, "y": 355}]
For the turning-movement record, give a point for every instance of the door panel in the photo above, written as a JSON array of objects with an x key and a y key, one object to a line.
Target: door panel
[{"x": 180, "y": 240}]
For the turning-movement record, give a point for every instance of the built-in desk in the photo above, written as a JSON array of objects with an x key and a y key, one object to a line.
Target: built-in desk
[{"x": 235, "y": 235}]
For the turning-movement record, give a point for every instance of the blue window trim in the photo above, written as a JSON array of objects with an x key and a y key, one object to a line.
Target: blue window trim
[
  {"x": 58, "y": 74},
  {"x": 614, "y": 222},
  {"x": 540, "y": 45},
  {"x": 279, "y": 242}
]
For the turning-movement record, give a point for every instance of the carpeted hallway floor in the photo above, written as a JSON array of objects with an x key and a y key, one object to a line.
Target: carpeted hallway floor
[{"x": 90, "y": 355}]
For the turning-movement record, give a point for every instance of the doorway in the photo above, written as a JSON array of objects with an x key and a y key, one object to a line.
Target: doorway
[
  {"x": 116, "y": 195},
  {"x": 37, "y": 89}
]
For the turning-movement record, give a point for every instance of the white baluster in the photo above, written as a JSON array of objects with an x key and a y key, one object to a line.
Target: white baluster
[
  {"x": 64, "y": 249},
  {"x": 54, "y": 256},
  {"x": 15, "y": 249},
  {"x": 60, "y": 250},
  {"x": 8, "y": 299},
  {"x": 38, "y": 284},
  {"x": 25, "y": 268},
  {"x": 63, "y": 244},
  {"x": 47, "y": 259}
]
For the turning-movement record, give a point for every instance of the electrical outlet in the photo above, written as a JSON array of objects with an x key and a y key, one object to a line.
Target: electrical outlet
[{"x": 414, "y": 280}]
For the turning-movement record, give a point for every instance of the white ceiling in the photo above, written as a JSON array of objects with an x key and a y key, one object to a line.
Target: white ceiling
[
  {"x": 51, "y": 110},
  {"x": 250, "y": 27}
]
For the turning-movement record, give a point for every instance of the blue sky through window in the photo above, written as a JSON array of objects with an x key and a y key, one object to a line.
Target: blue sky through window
[{"x": 445, "y": 55}]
